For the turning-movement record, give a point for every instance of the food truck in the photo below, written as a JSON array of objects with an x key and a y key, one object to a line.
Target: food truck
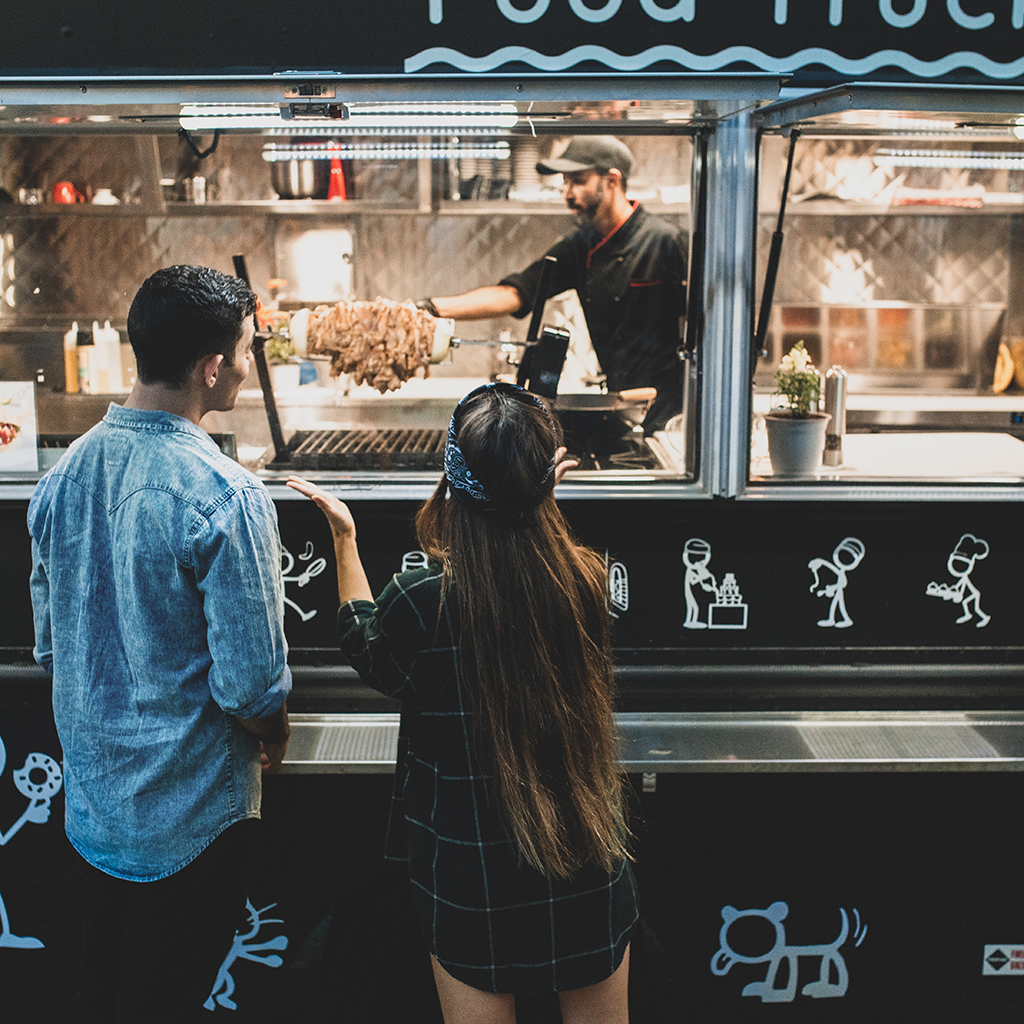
[{"x": 821, "y": 701}]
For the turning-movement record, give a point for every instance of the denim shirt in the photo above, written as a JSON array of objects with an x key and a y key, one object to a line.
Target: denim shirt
[{"x": 159, "y": 610}]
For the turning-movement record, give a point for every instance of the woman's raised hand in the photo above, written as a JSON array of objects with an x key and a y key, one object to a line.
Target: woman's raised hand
[
  {"x": 352, "y": 583},
  {"x": 337, "y": 512}
]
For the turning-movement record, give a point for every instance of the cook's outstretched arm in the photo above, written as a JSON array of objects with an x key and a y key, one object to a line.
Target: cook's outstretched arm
[{"x": 479, "y": 304}]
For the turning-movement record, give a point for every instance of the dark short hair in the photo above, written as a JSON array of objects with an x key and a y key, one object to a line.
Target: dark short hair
[{"x": 183, "y": 314}]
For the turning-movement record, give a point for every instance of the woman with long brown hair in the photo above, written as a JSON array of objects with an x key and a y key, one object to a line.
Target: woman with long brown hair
[{"x": 514, "y": 825}]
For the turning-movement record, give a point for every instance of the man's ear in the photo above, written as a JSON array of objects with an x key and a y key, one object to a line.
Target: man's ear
[
  {"x": 616, "y": 176},
  {"x": 207, "y": 370}
]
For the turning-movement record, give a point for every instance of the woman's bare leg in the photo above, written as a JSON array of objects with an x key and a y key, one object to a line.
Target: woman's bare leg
[
  {"x": 606, "y": 1002},
  {"x": 463, "y": 1004}
]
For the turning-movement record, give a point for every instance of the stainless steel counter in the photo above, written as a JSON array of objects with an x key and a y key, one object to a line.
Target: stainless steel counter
[{"x": 849, "y": 741}]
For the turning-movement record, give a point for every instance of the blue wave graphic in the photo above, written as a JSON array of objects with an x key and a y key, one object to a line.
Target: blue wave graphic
[{"x": 714, "y": 62}]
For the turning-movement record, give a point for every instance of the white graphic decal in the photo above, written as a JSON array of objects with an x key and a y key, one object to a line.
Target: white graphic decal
[
  {"x": 969, "y": 549},
  {"x": 39, "y": 781},
  {"x": 727, "y": 610},
  {"x": 1006, "y": 959},
  {"x": 242, "y": 948},
  {"x": 847, "y": 556},
  {"x": 618, "y": 586},
  {"x": 313, "y": 569},
  {"x": 833, "y": 977},
  {"x": 414, "y": 560},
  {"x": 696, "y": 555},
  {"x": 686, "y": 10},
  {"x": 687, "y": 59}
]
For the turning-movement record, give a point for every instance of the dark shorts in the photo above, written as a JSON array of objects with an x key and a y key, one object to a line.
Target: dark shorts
[{"x": 151, "y": 950}]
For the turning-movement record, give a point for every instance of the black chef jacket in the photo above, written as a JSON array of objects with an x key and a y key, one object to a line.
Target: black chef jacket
[{"x": 631, "y": 286}]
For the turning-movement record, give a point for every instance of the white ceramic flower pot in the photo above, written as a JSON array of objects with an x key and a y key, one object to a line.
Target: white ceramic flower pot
[{"x": 795, "y": 443}]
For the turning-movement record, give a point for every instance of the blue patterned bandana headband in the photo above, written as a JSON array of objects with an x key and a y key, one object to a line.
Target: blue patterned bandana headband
[{"x": 464, "y": 486}]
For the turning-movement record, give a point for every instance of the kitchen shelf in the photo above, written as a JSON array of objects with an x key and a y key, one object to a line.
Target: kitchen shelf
[
  {"x": 458, "y": 207},
  {"x": 271, "y": 207},
  {"x": 46, "y": 211},
  {"x": 838, "y": 208},
  {"x": 502, "y": 207},
  {"x": 293, "y": 208},
  {"x": 320, "y": 208}
]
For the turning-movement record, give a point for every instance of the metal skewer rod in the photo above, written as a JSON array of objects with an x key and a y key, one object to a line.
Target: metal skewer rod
[{"x": 281, "y": 453}]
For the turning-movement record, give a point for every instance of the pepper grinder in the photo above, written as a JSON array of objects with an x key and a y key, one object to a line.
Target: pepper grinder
[{"x": 835, "y": 406}]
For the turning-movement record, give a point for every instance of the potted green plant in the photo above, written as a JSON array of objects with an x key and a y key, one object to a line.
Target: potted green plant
[
  {"x": 796, "y": 431},
  {"x": 281, "y": 360}
]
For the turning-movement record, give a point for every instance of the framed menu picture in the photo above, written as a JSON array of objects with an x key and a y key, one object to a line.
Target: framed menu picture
[{"x": 18, "y": 451}]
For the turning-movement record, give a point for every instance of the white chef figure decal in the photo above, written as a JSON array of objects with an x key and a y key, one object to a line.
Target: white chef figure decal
[
  {"x": 39, "y": 780},
  {"x": 969, "y": 549},
  {"x": 847, "y": 556},
  {"x": 245, "y": 948},
  {"x": 696, "y": 555},
  {"x": 833, "y": 976},
  {"x": 313, "y": 569},
  {"x": 727, "y": 610}
]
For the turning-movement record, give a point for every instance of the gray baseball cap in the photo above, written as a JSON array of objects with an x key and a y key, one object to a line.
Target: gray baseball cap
[{"x": 601, "y": 152}]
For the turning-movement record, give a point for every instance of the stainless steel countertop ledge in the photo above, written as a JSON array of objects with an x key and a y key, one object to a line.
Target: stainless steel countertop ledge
[{"x": 847, "y": 741}]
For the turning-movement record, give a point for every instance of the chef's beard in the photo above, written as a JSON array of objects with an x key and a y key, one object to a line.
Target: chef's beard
[{"x": 586, "y": 213}]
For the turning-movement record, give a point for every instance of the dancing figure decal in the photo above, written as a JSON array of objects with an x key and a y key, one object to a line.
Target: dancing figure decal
[
  {"x": 313, "y": 569},
  {"x": 39, "y": 780},
  {"x": 968, "y": 551},
  {"x": 830, "y": 579},
  {"x": 244, "y": 948}
]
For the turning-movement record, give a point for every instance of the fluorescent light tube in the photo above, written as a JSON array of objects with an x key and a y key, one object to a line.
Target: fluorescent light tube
[{"x": 947, "y": 158}]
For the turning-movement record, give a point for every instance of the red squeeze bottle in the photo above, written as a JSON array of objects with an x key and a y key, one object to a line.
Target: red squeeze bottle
[{"x": 336, "y": 189}]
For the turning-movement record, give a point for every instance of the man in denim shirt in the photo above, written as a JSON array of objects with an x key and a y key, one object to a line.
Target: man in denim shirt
[{"x": 158, "y": 604}]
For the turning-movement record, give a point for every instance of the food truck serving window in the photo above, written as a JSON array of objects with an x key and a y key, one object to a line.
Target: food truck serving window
[
  {"x": 356, "y": 233},
  {"x": 894, "y": 340}
]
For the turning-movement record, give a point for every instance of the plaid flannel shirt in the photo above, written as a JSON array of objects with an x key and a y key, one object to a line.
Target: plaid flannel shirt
[{"x": 493, "y": 923}]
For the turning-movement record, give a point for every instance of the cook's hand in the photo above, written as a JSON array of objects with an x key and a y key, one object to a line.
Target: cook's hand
[
  {"x": 337, "y": 512},
  {"x": 563, "y": 465}
]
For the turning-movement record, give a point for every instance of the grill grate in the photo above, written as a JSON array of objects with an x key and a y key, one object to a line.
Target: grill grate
[
  {"x": 423, "y": 449},
  {"x": 365, "y": 449}
]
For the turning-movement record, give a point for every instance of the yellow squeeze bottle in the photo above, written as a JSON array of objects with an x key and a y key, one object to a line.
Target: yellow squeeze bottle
[{"x": 71, "y": 360}]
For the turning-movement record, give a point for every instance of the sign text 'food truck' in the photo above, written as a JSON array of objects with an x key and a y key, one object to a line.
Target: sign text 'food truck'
[{"x": 686, "y": 10}]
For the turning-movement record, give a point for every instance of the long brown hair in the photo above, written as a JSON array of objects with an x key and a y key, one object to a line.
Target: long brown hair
[{"x": 534, "y": 644}]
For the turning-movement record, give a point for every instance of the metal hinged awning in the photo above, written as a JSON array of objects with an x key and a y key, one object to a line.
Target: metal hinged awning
[{"x": 928, "y": 111}]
